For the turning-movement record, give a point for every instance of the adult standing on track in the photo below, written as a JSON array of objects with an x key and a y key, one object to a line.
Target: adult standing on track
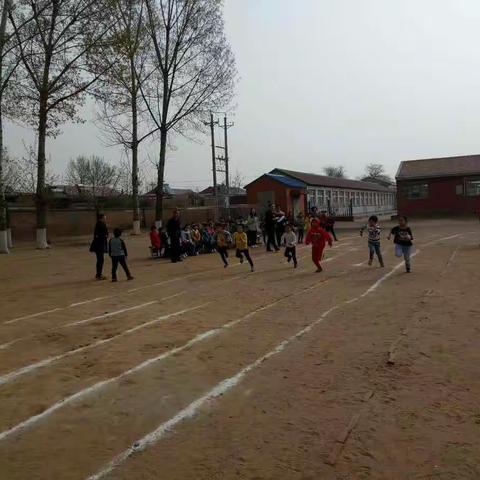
[
  {"x": 270, "y": 229},
  {"x": 99, "y": 244},
  {"x": 252, "y": 228},
  {"x": 174, "y": 232},
  {"x": 280, "y": 221}
]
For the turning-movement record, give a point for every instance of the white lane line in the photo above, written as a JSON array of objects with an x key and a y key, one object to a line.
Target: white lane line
[
  {"x": 33, "y": 315},
  {"x": 80, "y": 322},
  {"x": 442, "y": 239},
  {"x": 222, "y": 387},
  {"x": 73, "y": 305},
  {"x": 106, "y": 315},
  {"x": 9, "y": 377},
  {"x": 104, "y": 383}
]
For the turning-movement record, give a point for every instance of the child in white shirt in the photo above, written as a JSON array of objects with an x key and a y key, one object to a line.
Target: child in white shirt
[{"x": 289, "y": 239}]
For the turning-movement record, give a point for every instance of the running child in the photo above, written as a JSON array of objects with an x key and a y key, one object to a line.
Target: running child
[
  {"x": 240, "y": 241},
  {"x": 118, "y": 253},
  {"x": 374, "y": 232},
  {"x": 402, "y": 238},
  {"x": 289, "y": 239},
  {"x": 318, "y": 237},
  {"x": 222, "y": 239}
]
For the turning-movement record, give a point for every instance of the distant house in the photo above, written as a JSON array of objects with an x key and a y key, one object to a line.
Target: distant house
[
  {"x": 73, "y": 192},
  {"x": 448, "y": 185},
  {"x": 222, "y": 190},
  {"x": 299, "y": 191},
  {"x": 384, "y": 181}
]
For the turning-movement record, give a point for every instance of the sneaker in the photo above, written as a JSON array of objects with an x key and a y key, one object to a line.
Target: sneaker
[
  {"x": 295, "y": 265},
  {"x": 408, "y": 270},
  {"x": 252, "y": 269},
  {"x": 114, "y": 280},
  {"x": 241, "y": 260},
  {"x": 130, "y": 278},
  {"x": 370, "y": 262},
  {"x": 100, "y": 278},
  {"x": 225, "y": 265},
  {"x": 320, "y": 269}
]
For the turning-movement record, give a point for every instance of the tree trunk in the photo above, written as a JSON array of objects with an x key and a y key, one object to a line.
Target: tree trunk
[
  {"x": 136, "y": 205},
  {"x": 41, "y": 197},
  {"x": 3, "y": 201},
  {"x": 161, "y": 177}
]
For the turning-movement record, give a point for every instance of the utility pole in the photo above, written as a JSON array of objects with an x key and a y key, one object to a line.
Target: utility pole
[
  {"x": 214, "y": 162},
  {"x": 217, "y": 161},
  {"x": 214, "y": 156},
  {"x": 225, "y": 159}
]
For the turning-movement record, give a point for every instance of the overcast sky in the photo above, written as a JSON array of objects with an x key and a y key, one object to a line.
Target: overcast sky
[{"x": 330, "y": 82}]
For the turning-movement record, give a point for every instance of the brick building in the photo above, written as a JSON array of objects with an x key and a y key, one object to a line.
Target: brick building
[
  {"x": 439, "y": 186},
  {"x": 298, "y": 191}
]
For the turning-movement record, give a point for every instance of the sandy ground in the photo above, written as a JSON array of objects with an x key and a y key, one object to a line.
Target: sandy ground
[{"x": 193, "y": 371}]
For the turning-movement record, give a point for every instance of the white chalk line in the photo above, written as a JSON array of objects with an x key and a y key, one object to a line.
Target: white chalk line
[
  {"x": 77, "y": 304},
  {"x": 73, "y": 305},
  {"x": 106, "y": 315},
  {"x": 91, "y": 319},
  {"x": 97, "y": 299},
  {"x": 222, "y": 387},
  {"x": 9, "y": 377},
  {"x": 104, "y": 383},
  {"x": 33, "y": 315}
]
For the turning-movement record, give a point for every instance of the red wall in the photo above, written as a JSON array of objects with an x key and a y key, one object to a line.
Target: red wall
[
  {"x": 442, "y": 198},
  {"x": 266, "y": 184}
]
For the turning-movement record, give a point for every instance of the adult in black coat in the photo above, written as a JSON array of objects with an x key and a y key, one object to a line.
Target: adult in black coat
[
  {"x": 270, "y": 220},
  {"x": 174, "y": 231},
  {"x": 99, "y": 245}
]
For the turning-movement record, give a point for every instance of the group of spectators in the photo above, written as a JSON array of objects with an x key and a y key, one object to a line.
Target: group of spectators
[{"x": 178, "y": 242}]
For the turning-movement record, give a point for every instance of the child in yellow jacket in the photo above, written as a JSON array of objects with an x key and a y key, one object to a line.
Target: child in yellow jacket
[{"x": 240, "y": 241}]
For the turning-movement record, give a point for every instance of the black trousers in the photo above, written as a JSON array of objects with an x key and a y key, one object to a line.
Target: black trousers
[
  {"x": 175, "y": 249},
  {"x": 123, "y": 262},
  {"x": 223, "y": 251},
  {"x": 271, "y": 240},
  {"x": 252, "y": 237},
  {"x": 240, "y": 254},
  {"x": 332, "y": 232},
  {"x": 300, "y": 235},
  {"x": 279, "y": 231},
  {"x": 100, "y": 262},
  {"x": 291, "y": 254}
]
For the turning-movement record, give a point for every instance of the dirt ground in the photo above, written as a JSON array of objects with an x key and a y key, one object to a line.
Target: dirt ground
[{"x": 193, "y": 371}]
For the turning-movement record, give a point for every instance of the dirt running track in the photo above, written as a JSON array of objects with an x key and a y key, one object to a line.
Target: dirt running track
[{"x": 196, "y": 372}]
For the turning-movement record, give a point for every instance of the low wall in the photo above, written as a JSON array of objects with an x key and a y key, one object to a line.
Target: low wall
[{"x": 72, "y": 222}]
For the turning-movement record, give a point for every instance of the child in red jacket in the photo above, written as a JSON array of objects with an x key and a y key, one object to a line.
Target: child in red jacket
[
  {"x": 155, "y": 241},
  {"x": 317, "y": 236}
]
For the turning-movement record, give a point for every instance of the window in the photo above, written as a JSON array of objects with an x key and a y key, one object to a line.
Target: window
[
  {"x": 472, "y": 188},
  {"x": 413, "y": 192}
]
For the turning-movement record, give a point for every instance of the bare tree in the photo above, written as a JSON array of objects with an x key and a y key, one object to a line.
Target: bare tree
[
  {"x": 193, "y": 70},
  {"x": 97, "y": 177},
  {"x": 375, "y": 172},
  {"x": 238, "y": 181},
  {"x": 54, "y": 49},
  {"x": 121, "y": 108},
  {"x": 332, "y": 171},
  {"x": 21, "y": 173}
]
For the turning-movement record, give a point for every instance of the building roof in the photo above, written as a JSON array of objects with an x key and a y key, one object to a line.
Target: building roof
[
  {"x": 288, "y": 181},
  {"x": 439, "y": 167},
  {"x": 312, "y": 179}
]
